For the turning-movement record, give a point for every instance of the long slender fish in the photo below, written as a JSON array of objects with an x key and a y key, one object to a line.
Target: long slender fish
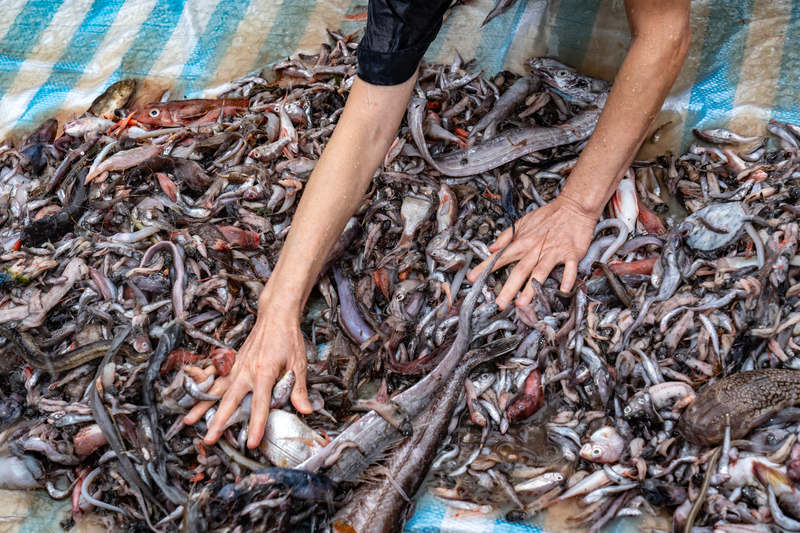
[
  {"x": 505, "y": 147},
  {"x": 383, "y": 506},
  {"x": 372, "y": 433}
]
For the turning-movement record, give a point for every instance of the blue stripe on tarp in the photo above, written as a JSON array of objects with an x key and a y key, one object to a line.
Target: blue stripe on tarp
[
  {"x": 23, "y": 35},
  {"x": 150, "y": 41},
  {"x": 712, "y": 95},
  {"x": 785, "y": 106},
  {"x": 70, "y": 66},
  {"x": 432, "y": 54},
  {"x": 212, "y": 45},
  {"x": 494, "y": 45},
  {"x": 428, "y": 515},
  {"x": 572, "y": 30},
  {"x": 286, "y": 32},
  {"x": 351, "y": 26}
]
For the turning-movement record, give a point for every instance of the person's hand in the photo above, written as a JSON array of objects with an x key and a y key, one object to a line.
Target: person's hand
[
  {"x": 558, "y": 233},
  {"x": 274, "y": 346}
]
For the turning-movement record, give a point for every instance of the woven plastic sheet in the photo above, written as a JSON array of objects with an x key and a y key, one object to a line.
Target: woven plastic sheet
[{"x": 56, "y": 56}]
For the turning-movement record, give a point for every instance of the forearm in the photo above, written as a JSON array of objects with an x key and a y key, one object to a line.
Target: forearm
[
  {"x": 362, "y": 137},
  {"x": 640, "y": 88}
]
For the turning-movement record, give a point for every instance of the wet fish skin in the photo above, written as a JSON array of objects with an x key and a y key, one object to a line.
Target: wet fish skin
[
  {"x": 579, "y": 88},
  {"x": 381, "y": 508},
  {"x": 190, "y": 112},
  {"x": 747, "y": 398},
  {"x": 501, "y": 7},
  {"x": 723, "y": 136},
  {"x": 116, "y": 96}
]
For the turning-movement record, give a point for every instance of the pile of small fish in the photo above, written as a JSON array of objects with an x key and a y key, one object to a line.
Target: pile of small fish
[{"x": 136, "y": 245}]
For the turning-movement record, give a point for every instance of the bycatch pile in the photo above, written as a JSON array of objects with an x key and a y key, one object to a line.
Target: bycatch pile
[{"x": 136, "y": 242}]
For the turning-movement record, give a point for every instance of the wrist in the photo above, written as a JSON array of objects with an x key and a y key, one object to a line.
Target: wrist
[
  {"x": 279, "y": 304},
  {"x": 585, "y": 204}
]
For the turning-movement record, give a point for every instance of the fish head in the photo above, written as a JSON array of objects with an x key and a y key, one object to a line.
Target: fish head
[
  {"x": 567, "y": 81},
  {"x": 605, "y": 446},
  {"x": 635, "y": 407},
  {"x": 154, "y": 115}
]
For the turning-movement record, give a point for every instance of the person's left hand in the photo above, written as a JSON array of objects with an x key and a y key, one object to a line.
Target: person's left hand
[{"x": 558, "y": 233}]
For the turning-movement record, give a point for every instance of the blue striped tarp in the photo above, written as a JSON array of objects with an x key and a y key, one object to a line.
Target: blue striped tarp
[{"x": 56, "y": 56}]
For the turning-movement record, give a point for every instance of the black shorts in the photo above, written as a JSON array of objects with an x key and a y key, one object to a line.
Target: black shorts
[{"x": 398, "y": 34}]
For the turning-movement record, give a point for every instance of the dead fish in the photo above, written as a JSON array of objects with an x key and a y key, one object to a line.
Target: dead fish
[
  {"x": 722, "y": 136},
  {"x": 501, "y": 7},
  {"x": 747, "y": 399},
  {"x": 287, "y": 440},
  {"x": 415, "y": 210},
  {"x": 115, "y": 97}
]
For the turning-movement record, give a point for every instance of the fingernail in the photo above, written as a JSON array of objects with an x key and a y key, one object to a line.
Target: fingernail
[{"x": 251, "y": 442}]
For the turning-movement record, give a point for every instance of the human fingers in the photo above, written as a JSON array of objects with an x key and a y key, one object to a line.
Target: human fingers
[
  {"x": 300, "y": 392},
  {"x": 528, "y": 292},
  {"x": 570, "y": 274},
  {"x": 543, "y": 268},
  {"x": 199, "y": 410},
  {"x": 259, "y": 408},
  {"x": 511, "y": 254},
  {"x": 232, "y": 399},
  {"x": 519, "y": 275},
  {"x": 502, "y": 240}
]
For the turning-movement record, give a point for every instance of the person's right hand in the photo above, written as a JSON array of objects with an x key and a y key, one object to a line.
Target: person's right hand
[{"x": 274, "y": 346}]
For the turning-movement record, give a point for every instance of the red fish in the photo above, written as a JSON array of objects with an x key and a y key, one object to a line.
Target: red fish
[
  {"x": 88, "y": 439},
  {"x": 649, "y": 220},
  {"x": 223, "y": 359},
  {"x": 239, "y": 238},
  {"x": 643, "y": 266},
  {"x": 178, "y": 357},
  {"x": 530, "y": 402},
  {"x": 190, "y": 112}
]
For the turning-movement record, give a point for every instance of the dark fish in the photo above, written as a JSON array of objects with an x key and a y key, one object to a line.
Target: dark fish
[
  {"x": 34, "y": 146},
  {"x": 115, "y": 97},
  {"x": 748, "y": 399},
  {"x": 52, "y": 228},
  {"x": 384, "y": 506},
  {"x": 32, "y": 355},
  {"x": 184, "y": 170}
]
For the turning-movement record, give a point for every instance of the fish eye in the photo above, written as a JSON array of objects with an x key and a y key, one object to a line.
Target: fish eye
[
  {"x": 596, "y": 451},
  {"x": 685, "y": 233},
  {"x": 627, "y": 409},
  {"x": 154, "y": 112},
  {"x": 563, "y": 73}
]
